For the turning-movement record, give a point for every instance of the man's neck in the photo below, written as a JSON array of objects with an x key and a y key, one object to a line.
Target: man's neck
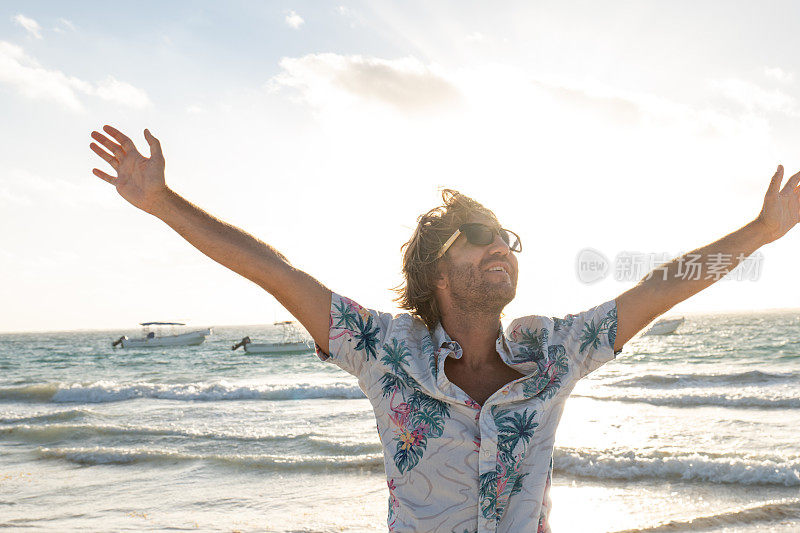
[{"x": 476, "y": 334}]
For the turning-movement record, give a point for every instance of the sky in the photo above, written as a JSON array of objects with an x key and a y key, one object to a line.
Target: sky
[{"x": 327, "y": 128}]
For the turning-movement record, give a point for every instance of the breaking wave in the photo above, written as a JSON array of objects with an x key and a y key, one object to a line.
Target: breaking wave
[
  {"x": 121, "y": 456},
  {"x": 676, "y": 381},
  {"x": 700, "y": 400},
  {"x": 770, "y": 511},
  {"x": 109, "y": 391},
  {"x": 714, "y": 468},
  {"x": 61, "y": 416},
  {"x": 309, "y": 442}
]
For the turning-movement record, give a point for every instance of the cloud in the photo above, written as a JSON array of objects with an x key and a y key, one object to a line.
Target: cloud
[
  {"x": 119, "y": 92},
  {"x": 67, "y": 23},
  {"x": 755, "y": 98},
  {"x": 30, "y": 25},
  {"x": 331, "y": 79},
  {"x": 353, "y": 17},
  {"x": 63, "y": 25},
  {"x": 294, "y": 20},
  {"x": 31, "y": 80},
  {"x": 615, "y": 107},
  {"x": 778, "y": 74},
  {"x": 590, "y": 99}
]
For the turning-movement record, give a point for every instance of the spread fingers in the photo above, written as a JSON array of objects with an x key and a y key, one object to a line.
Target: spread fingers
[
  {"x": 103, "y": 176},
  {"x": 110, "y": 159},
  {"x": 124, "y": 140},
  {"x": 112, "y": 147}
]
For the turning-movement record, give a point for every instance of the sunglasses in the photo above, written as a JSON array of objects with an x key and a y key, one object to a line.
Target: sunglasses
[{"x": 482, "y": 235}]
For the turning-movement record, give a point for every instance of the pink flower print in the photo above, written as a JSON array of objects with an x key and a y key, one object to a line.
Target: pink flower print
[
  {"x": 400, "y": 413},
  {"x": 475, "y": 405}
]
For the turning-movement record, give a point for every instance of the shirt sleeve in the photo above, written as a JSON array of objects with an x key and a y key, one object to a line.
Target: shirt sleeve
[
  {"x": 355, "y": 335},
  {"x": 587, "y": 337},
  {"x": 567, "y": 348}
]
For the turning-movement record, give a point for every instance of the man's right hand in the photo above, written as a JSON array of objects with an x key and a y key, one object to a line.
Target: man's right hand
[{"x": 139, "y": 179}]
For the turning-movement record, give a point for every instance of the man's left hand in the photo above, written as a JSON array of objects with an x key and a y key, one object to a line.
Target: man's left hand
[{"x": 781, "y": 210}]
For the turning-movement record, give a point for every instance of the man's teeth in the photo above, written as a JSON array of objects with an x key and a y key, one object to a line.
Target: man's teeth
[{"x": 497, "y": 269}]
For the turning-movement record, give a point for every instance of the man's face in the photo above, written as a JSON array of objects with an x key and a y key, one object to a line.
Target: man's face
[{"x": 480, "y": 278}]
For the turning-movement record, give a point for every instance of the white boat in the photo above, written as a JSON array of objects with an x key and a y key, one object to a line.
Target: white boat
[
  {"x": 292, "y": 342},
  {"x": 150, "y": 339},
  {"x": 665, "y": 326}
]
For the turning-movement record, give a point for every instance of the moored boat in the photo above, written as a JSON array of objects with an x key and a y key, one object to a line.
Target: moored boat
[
  {"x": 665, "y": 326},
  {"x": 151, "y": 339},
  {"x": 292, "y": 342}
]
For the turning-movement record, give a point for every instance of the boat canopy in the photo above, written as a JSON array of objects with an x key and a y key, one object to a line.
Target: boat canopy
[{"x": 162, "y": 324}]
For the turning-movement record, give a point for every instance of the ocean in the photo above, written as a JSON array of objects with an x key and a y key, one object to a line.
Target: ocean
[{"x": 697, "y": 430}]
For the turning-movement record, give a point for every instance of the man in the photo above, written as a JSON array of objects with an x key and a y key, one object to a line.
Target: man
[{"x": 466, "y": 414}]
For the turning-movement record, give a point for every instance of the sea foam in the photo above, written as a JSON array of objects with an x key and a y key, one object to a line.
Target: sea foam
[
  {"x": 110, "y": 391},
  {"x": 714, "y": 468},
  {"x": 702, "y": 399},
  {"x": 676, "y": 381},
  {"x": 770, "y": 511},
  {"x": 280, "y": 462}
]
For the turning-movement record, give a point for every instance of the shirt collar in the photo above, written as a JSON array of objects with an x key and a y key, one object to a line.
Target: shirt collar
[{"x": 444, "y": 344}]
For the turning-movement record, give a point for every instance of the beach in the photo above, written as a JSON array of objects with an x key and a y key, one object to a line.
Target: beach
[{"x": 691, "y": 431}]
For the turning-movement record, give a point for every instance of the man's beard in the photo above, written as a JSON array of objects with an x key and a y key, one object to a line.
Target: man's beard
[{"x": 474, "y": 293}]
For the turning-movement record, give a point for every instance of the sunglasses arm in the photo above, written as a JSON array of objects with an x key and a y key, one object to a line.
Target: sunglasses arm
[{"x": 448, "y": 243}]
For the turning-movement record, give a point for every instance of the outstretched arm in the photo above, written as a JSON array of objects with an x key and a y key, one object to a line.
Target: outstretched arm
[
  {"x": 659, "y": 291},
  {"x": 140, "y": 180}
]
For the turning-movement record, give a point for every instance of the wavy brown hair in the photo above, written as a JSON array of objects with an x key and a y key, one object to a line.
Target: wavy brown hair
[{"x": 420, "y": 265}]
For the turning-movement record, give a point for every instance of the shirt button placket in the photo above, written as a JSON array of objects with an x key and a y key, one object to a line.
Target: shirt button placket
[{"x": 488, "y": 461}]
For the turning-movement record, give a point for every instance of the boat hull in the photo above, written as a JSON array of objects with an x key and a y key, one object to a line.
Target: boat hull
[
  {"x": 279, "y": 348},
  {"x": 665, "y": 327},
  {"x": 191, "y": 338}
]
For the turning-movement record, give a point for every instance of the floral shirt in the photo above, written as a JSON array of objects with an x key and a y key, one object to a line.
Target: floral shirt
[{"x": 451, "y": 464}]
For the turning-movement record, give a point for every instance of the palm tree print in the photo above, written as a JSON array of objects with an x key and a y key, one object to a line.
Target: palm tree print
[
  {"x": 347, "y": 314},
  {"x": 355, "y": 322},
  {"x": 497, "y": 487},
  {"x": 611, "y": 320},
  {"x": 433, "y": 360},
  {"x": 563, "y": 323},
  {"x": 367, "y": 336},
  {"x": 417, "y": 417},
  {"x": 395, "y": 357},
  {"x": 590, "y": 336},
  {"x": 487, "y": 493},
  {"x": 552, "y": 367},
  {"x": 533, "y": 345},
  {"x": 549, "y": 381},
  {"x": 513, "y": 427}
]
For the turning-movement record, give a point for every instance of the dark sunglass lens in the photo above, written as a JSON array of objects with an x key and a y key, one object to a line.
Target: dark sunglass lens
[
  {"x": 505, "y": 236},
  {"x": 479, "y": 234}
]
